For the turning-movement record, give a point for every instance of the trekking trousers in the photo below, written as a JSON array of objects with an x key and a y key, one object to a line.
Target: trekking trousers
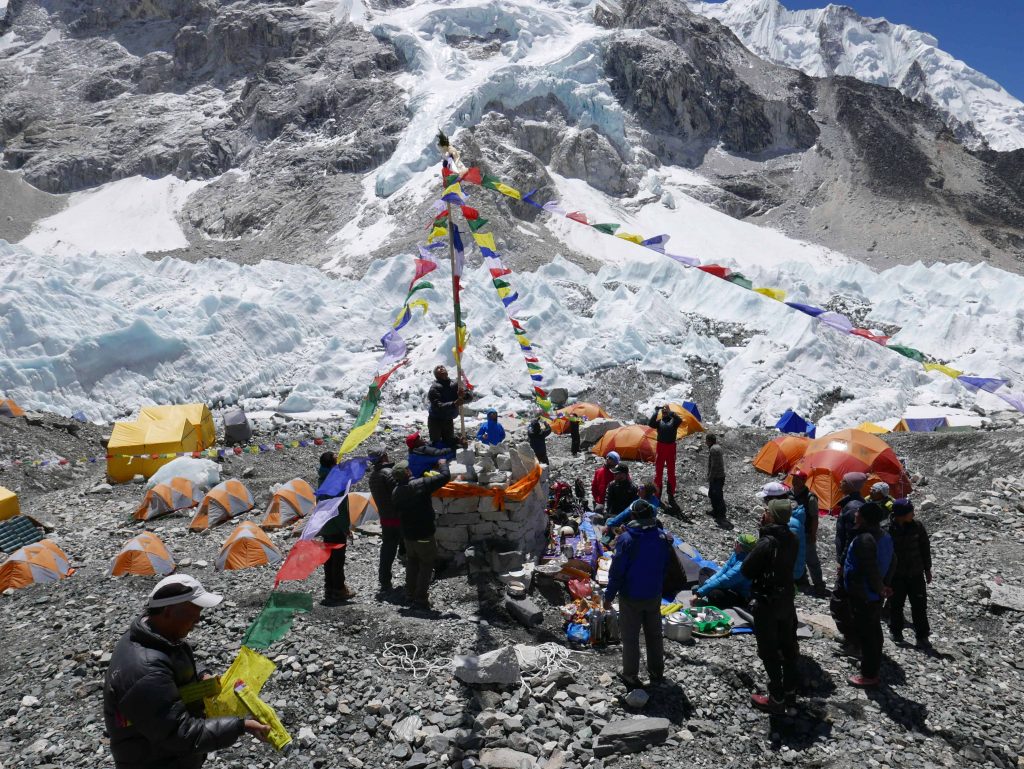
[
  {"x": 839, "y": 608},
  {"x": 635, "y": 616},
  {"x": 716, "y": 494},
  {"x": 867, "y": 621},
  {"x": 420, "y": 555},
  {"x": 775, "y": 628},
  {"x": 441, "y": 430},
  {"x": 722, "y": 598},
  {"x": 334, "y": 574},
  {"x": 574, "y": 433},
  {"x": 814, "y": 564},
  {"x": 915, "y": 588},
  {"x": 390, "y": 539},
  {"x": 665, "y": 455}
]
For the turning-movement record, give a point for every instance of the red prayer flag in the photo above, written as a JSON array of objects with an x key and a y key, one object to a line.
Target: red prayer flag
[
  {"x": 380, "y": 379},
  {"x": 497, "y": 273},
  {"x": 472, "y": 176},
  {"x": 714, "y": 269},
  {"x": 876, "y": 338},
  {"x": 578, "y": 216},
  {"x": 304, "y": 558},
  {"x": 423, "y": 267},
  {"x": 470, "y": 213},
  {"x": 540, "y": 392}
]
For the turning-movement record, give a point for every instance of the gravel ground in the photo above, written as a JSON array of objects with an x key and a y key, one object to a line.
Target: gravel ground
[{"x": 961, "y": 708}]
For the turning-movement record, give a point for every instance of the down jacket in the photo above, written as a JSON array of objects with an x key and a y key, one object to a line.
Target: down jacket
[
  {"x": 149, "y": 725},
  {"x": 412, "y": 500},
  {"x": 728, "y": 577}
]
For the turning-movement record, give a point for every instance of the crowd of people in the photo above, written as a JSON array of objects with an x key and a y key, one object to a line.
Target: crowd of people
[{"x": 151, "y": 725}]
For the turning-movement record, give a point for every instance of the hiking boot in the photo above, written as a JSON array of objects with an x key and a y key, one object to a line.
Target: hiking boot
[
  {"x": 897, "y": 638},
  {"x": 851, "y": 650},
  {"x": 923, "y": 644},
  {"x": 332, "y": 600},
  {"x": 423, "y": 606},
  {"x": 820, "y": 591},
  {"x": 657, "y": 680},
  {"x": 631, "y": 682},
  {"x": 766, "y": 704},
  {"x": 863, "y": 682},
  {"x": 346, "y": 594}
]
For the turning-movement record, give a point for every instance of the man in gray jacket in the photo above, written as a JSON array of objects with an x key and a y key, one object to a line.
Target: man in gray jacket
[{"x": 149, "y": 724}]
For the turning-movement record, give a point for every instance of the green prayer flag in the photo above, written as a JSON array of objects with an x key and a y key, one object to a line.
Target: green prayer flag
[
  {"x": 499, "y": 283},
  {"x": 274, "y": 622},
  {"x": 476, "y": 224},
  {"x": 607, "y": 229},
  {"x": 368, "y": 406},
  {"x": 909, "y": 352},
  {"x": 490, "y": 182},
  {"x": 418, "y": 287},
  {"x": 740, "y": 280}
]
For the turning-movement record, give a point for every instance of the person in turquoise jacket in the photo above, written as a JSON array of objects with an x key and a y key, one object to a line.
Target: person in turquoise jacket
[
  {"x": 491, "y": 432},
  {"x": 727, "y": 587}
]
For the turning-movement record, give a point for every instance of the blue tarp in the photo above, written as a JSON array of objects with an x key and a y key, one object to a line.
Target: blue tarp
[
  {"x": 791, "y": 422},
  {"x": 692, "y": 408},
  {"x": 925, "y": 425}
]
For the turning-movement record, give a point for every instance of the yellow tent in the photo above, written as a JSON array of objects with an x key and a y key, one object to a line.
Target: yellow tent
[
  {"x": 8, "y": 504},
  {"x": 871, "y": 427},
  {"x": 159, "y": 431}
]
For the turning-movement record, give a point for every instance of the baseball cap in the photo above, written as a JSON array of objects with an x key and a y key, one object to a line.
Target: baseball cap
[
  {"x": 773, "y": 489},
  {"x": 621, "y": 468},
  {"x": 181, "y": 588},
  {"x": 902, "y": 507},
  {"x": 401, "y": 464},
  {"x": 411, "y": 439},
  {"x": 377, "y": 454}
]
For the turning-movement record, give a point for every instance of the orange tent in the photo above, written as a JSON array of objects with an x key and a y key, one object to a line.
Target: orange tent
[
  {"x": 690, "y": 423},
  {"x": 361, "y": 508},
  {"x": 145, "y": 556},
  {"x": 164, "y": 498},
  {"x": 292, "y": 501},
  {"x": 222, "y": 503},
  {"x": 560, "y": 424},
  {"x": 830, "y": 457},
  {"x": 780, "y": 454},
  {"x": 633, "y": 442},
  {"x": 34, "y": 564},
  {"x": 8, "y": 408},
  {"x": 247, "y": 546}
]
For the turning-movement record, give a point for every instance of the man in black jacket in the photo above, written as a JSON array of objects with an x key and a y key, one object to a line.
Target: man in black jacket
[
  {"x": 913, "y": 573},
  {"x": 667, "y": 424},
  {"x": 867, "y": 573},
  {"x": 149, "y": 725},
  {"x": 621, "y": 492},
  {"x": 537, "y": 434},
  {"x": 382, "y": 486},
  {"x": 445, "y": 398},
  {"x": 839, "y": 605},
  {"x": 412, "y": 500},
  {"x": 769, "y": 567}
]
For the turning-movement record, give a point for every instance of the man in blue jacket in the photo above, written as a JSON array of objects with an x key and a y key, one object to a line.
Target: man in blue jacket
[
  {"x": 867, "y": 574},
  {"x": 636, "y": 576},
  {"x": 491, "y": 432},
  {"x": 728, "y": 587}
]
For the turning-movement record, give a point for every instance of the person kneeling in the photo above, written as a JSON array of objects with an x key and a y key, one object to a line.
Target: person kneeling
[{"x": 728, "y": 587}]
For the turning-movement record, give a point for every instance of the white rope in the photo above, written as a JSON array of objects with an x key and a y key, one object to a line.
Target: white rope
[
  {"x": 548, "y": 657},
  {"x": 396, "y": 656}
]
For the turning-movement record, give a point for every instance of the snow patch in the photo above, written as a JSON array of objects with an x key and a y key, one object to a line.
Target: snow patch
[{"x": 134, "y": 214}]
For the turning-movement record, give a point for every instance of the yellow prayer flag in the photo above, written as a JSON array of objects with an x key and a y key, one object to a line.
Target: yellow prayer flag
[
  {"x": 485, "y": 240},
  {"x": 453, "y": 189},
  {"x": 511, "y": 192},
  {"x": 949, "y": 371},
  {"x": 461, "y": 337},
  {"x": 630, "y": 237},
  {"x": 248, "y": 666},
  {"x": 359, "y": 434},
  {"x": 437, "y": 232},
  {"x": 772, "y": 293}
]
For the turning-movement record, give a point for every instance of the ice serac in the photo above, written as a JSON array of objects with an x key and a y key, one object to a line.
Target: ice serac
[{"x": 835, "y": 40}]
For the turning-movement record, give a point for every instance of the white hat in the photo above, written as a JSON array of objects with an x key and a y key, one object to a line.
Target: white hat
[
  {"x": 773, "y": 489},
  {"x": 189, "y": 590},
  {"x": 881, "y": 487}
]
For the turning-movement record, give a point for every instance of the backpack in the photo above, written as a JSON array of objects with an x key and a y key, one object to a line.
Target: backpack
[{"x": 675, "y": 578}]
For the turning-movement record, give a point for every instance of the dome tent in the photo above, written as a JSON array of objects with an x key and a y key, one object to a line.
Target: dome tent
[
  {"x": 294, "y": 500},
  {"x": 144, "y": 555},
  {"x": 222, "y": 503},
  {"x": 246, "y": 547}
]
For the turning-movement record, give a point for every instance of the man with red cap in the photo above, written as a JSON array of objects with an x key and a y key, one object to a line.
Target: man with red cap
[
  {"x": 423, "y": 457},
  {"x": 804, "y": 497}
]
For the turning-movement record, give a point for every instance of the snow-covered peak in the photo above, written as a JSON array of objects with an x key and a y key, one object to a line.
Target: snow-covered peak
[{"x": 835, "y": 40}]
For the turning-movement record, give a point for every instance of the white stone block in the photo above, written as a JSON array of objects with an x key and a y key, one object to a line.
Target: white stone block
[
  {"x": 465, "y": 456},
  {"x": 503, "y": 462},
  {"x": 462, "y": 504},
  {"x": 497, "y": 516},
  {"x": 488, "y": 505}
]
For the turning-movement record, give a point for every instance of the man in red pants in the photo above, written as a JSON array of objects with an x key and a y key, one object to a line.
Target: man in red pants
[{"x": 667, "y": 424}]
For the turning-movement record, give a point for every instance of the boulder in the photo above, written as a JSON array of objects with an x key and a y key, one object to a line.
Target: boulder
[
  {"x": 525, "y": 611},
  {"x": 500, "y": 666},
  {"x": 631, "y": 735},
  {"x": 591, "y": 432},
  {"x": 558, "y": 396},
  {"x": 1005, "y": 596},
  {"x": 506, "y": 758}
]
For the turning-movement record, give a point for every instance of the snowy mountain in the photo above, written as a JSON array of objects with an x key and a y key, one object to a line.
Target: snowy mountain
[
  {"x": 274, "y": 163},
  {"x": 835, "y": 40}
]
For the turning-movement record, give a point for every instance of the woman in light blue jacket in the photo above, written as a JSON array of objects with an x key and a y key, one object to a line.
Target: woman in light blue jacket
[{"x": 727, "y": 587}]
